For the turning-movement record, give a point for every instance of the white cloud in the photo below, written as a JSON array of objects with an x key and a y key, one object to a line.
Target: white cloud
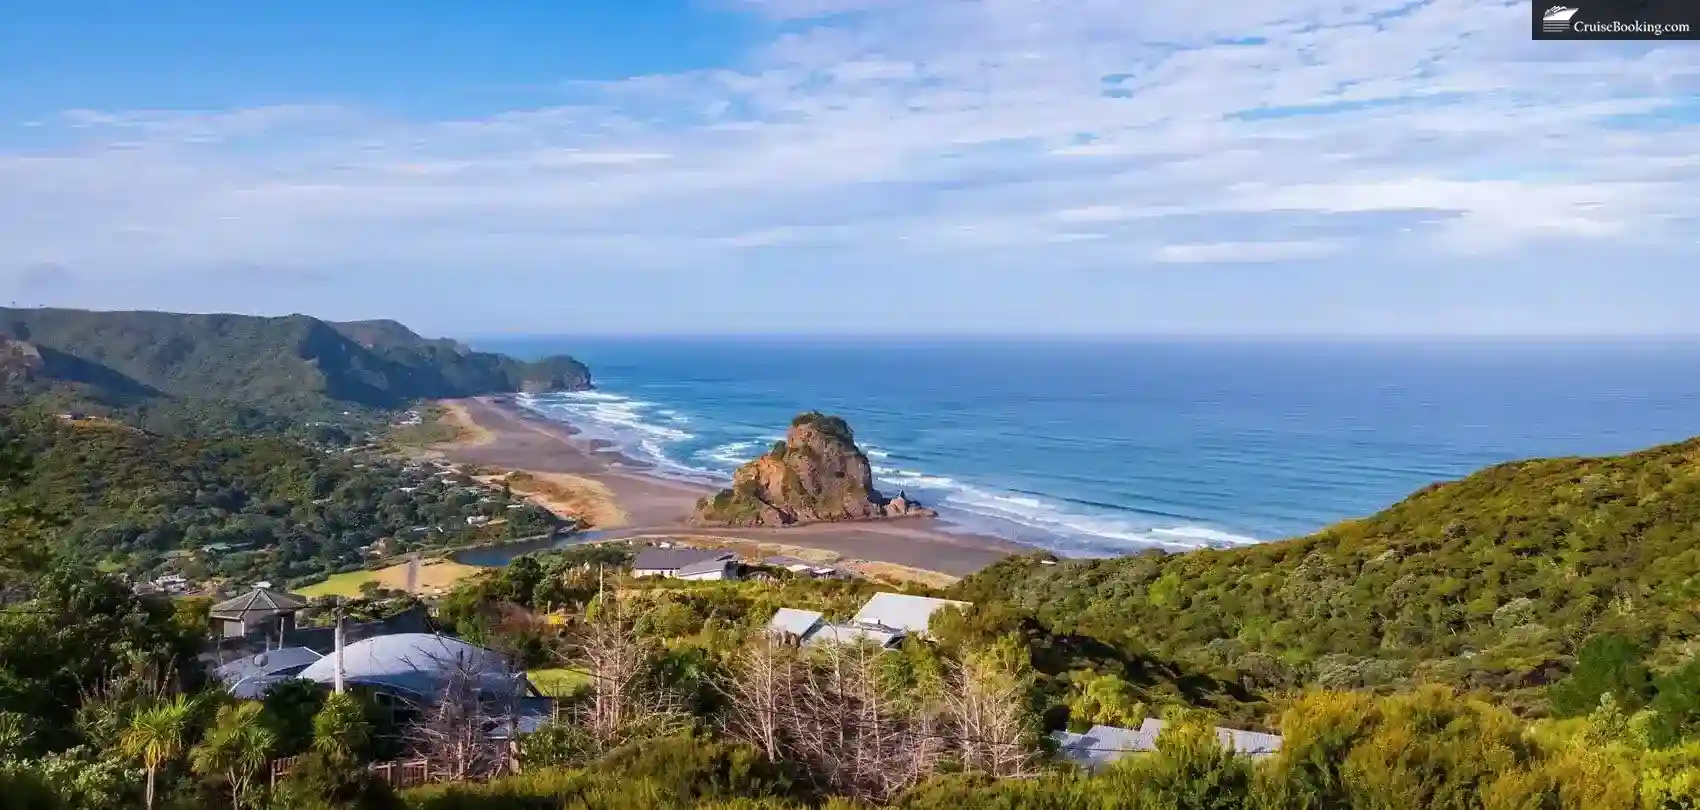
[
  {"x": 1231, "y": 252},
  {"x": 954, "y": 129}
]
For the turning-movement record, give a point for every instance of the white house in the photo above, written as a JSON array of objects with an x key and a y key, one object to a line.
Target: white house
[{"x": 685, "y": 563}]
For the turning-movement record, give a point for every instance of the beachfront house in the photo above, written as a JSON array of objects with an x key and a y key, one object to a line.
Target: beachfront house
[
  {"x": 1101, "y": 745},
  {"x": 685, "y": 563},
  {"x": 885, "y": 620}
]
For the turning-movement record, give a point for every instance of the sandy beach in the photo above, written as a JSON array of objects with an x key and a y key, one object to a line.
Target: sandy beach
[{"x": 615, "y": 492}]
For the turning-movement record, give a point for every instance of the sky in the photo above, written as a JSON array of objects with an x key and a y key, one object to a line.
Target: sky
[{"x": 1317, "y": 167}]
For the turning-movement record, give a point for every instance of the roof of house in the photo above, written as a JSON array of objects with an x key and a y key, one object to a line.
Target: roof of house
[
  {"x": 902, "y": 611},
  {"x": 258, "y": 603},
  {"x": 250, "y": 676},
  {"x": 1252, "y": 743},
  {"x": 670, "y": 559},
  {"x": 792, "y": 621},
  {"x": 419, "y": 663},
  {"x": 711, "y": 566},
  {"x": 1101, "y": 745},
  {"x": 850, "y": 633}
]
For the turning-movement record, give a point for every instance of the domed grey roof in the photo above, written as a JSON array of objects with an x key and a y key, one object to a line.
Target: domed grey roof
[{"x": 418, "y": 663}]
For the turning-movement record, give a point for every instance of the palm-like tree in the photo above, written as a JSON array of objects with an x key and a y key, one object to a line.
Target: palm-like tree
[
  {"x": 156, "y": 735},
  {"x": 237, "y": 747},
  {"x": 340, "y": 730}
]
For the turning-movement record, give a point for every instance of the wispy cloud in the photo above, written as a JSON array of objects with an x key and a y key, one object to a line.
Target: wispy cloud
[{"x": 1125, "y": 132}]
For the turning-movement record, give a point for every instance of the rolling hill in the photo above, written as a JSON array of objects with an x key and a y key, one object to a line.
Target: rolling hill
[
  {"x": 1489, "y": 582},
  {"x": 293, "y": 366}
]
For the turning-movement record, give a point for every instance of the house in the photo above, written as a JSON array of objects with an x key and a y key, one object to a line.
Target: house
[
  {"x": 902, "y": 612},
  {"x": 802, "y": 568},
  {"x": 885, "y": 620},
  {"x": 795, "y": 625},
  {"x": 261, "y": 610},
  {"x": 249, "y": 677},
  {"x": 476, "y": 520},
  {"x": 405, "y": 672},
  {"x": 685, "y": 563},
  {"x": 1101, "y": 745}
]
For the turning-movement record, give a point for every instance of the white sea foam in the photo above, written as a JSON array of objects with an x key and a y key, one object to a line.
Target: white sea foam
[
  {"x": 732, "y": 454},
  {"x": 1065, "y": 530},
  {"x": 655, "y": 434}
]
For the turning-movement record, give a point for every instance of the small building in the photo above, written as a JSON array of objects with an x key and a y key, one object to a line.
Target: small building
[
  {"x": 406, "y": 672},
  {"x": 261, "y": 610},
  {"x": 685, "y": 563},
  {"x": 1101, "y": 745},
  {"x": 795, "y": 625},
  {"x": 249, "y": 677},
  {"x": 902, "y": 612},
  {"x": 810, "y": 628}
]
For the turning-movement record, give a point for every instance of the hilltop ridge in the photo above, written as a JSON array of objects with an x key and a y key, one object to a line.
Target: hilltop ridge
[{"x": 294, "y": 365}]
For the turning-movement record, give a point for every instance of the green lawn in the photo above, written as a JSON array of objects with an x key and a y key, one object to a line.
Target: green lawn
[
  {"x": 557, "y": 682},
  {"x": 340, "y": 585}
]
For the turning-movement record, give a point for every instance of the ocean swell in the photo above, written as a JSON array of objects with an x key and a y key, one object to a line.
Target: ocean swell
[{"x": 688, "y": 447}]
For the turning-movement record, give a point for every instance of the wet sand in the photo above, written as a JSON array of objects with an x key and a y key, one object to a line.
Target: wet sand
[{"x": 512, "y": 438}]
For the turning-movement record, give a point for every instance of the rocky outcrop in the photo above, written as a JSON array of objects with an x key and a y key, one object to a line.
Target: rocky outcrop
[
  {"x": 19, "y": 360},
  {"x": 817, "y": 474}
]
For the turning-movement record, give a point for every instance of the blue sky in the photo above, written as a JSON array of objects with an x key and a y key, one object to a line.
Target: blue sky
[{"x": 887, "y": 166}]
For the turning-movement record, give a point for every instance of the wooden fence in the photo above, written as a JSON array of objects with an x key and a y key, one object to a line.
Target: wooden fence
[{"x": 398, "y": 773}]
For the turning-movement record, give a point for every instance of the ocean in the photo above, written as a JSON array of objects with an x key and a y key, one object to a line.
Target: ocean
[{"x": 1102, "y": 447}]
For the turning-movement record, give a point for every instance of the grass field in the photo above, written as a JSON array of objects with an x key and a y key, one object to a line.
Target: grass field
[
  {"x": 557, "y": 682},
  {"x": 440, "y": 574}
]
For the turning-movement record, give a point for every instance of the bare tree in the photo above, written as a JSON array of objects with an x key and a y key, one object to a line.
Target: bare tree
[
  {"x": 625, "y": 701},
  {"x": 763, "y": 695},
  {"x": 465, "y": 729},
  {"x": 989, "y": 717},
  {"x": 853, "y": 729}
]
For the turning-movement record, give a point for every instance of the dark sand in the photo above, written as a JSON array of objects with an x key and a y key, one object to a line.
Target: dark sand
[{"x": 520, "y": 440}]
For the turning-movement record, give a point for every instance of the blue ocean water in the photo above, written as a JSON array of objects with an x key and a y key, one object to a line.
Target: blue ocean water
[{"x": 1105, "y": 447}]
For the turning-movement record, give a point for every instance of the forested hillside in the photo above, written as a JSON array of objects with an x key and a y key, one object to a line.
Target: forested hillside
[
  {"x": 293, "y": 367},
  {"x": 268, "y": 508},
  {"x": 1489, "y": 582}
]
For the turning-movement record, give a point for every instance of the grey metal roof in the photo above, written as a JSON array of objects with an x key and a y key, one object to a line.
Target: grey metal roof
[
  {"x": 851, "y": 633},
  {"x": 902, "y": 611},
  {"x": 418, "y": 663},
  {"x": 250, "y": 676},
  {"x": 792, "y": 621},
  {"x": 1101, "y": 745},
  {"x": 703, "y": 567},
  {"x": 258, "y": 603},
  {"x": 670, "y": 559},
  {"x": 1250, "y": 743}
]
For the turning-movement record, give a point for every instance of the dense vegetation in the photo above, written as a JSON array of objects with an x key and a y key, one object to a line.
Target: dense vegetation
[
  {"x": 251, "y": 371},
  {"x": 245, "y": 508},
  {"x": 1491, "y": 582},
  {"x": 1519, "y": 639}
]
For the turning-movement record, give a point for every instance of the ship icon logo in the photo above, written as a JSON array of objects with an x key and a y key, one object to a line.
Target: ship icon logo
[{"x": 1556, "y": 20}]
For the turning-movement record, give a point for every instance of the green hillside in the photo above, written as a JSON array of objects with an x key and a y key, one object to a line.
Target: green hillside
[
  {"x": 271, "y": 508},
  {"x": 294, "y": 366},
  {"x": 1489, "y": 582}
]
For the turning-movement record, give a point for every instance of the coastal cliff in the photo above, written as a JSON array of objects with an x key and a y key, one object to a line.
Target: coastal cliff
[{"x": 817, "y": 474}]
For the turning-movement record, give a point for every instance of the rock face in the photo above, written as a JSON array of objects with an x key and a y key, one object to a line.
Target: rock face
[
  {"x": 817, "y": 474},
  {"x": 19, "y": 360}
]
